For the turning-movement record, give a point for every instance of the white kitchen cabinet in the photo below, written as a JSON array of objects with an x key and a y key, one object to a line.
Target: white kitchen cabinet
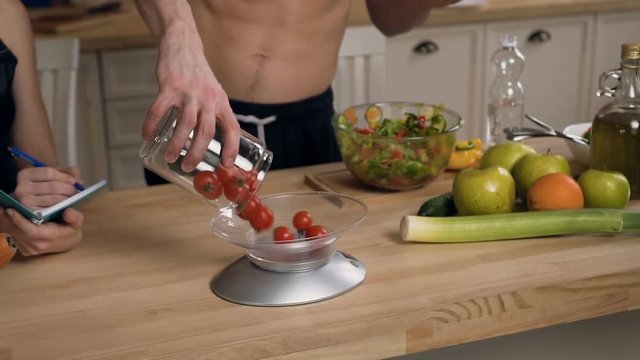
[
  {"x": 124, "y": 129},
  {"x": 129, "y": 88},
  {"x": 557, "y": 61},
  {"x": 92, "y": 149},
  {"x": 612, "y": 30},
  {"x": 360, "y": 75},
  {"x": 129, "y": 72},
  {"x": 439, "y": 65}
]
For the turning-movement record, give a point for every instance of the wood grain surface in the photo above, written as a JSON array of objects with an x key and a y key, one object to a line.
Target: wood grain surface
[{"x": 138, "y": 286}]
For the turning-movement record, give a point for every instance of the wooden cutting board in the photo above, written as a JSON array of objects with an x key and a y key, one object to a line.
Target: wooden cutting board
[{"x": 337, "y": 178}]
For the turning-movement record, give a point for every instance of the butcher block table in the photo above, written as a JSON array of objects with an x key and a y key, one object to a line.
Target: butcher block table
[{"x": 138, "y": 285}]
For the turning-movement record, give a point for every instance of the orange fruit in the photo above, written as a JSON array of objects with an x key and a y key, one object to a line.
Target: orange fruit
[
  {"x": 7, "y": 248},
  {"x": 555, "y": 191}
]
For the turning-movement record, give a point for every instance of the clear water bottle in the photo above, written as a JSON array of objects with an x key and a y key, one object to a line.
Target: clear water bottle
[{"x": 506, "y": 95}]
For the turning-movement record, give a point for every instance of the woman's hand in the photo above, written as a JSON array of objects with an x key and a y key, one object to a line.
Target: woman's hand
[
  {"x": 40, "y": 187},
  {"x": 51, "y": 237}
]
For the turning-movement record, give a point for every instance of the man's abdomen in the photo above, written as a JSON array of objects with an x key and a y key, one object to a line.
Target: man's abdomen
[{"x": 286, "y": 54}]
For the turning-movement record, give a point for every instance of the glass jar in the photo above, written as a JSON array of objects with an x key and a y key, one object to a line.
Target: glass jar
[
  {"x": 250, "y": 166},
  {"x": 615, "y": 132}
]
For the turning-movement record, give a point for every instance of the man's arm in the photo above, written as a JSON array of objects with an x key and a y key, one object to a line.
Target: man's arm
[
  {"x": 186, "y": 80},
  {"x": 393, "y": 17}
]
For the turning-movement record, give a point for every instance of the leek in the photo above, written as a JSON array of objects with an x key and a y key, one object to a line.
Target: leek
[{"x": 458, "y": 229}]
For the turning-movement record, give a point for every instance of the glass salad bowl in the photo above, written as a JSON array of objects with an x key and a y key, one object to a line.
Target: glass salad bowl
[
  {"x": 396, "y": 145},
  {"x": 336, "y": 213}
]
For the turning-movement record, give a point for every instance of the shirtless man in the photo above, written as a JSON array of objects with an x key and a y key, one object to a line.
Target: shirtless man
[{"x": 275, "y": 60}]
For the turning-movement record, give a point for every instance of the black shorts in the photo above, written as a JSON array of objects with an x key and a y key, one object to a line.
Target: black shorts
[{"x": 300, "y": 135}]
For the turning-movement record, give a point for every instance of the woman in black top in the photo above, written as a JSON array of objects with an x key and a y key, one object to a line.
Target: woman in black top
[{"x": 24, "y": 124}]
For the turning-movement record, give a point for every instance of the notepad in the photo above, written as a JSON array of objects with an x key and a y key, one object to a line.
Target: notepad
[{"x": 53, "y": 212}]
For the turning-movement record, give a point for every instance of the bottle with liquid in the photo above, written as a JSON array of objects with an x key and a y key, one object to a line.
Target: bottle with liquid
[
  {"x": 615, "y": 131},
  {"x": 506, "y": 94}
]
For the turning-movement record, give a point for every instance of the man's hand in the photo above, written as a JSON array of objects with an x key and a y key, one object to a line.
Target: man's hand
[
  {"x": 186, "y": 80},
  {"x": 32, "y": 239},
  {"x": 40, "y": 187}
]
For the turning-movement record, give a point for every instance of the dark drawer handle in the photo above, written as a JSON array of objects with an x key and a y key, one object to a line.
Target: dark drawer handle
[
  {"x": 539, "y": 37},
  {"x": 426, "y": 47}
]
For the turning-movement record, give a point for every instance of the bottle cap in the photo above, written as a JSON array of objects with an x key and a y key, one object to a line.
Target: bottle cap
[
  {"x": 631, "y": 51},
  {"x": 509, "y": 40}
]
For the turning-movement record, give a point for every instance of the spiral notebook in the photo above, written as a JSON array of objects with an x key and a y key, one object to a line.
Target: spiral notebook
[{"x": 53, "y": 212}]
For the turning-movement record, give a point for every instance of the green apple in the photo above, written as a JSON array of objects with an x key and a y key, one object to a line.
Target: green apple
[
  {"x": 505, "y": 154},
  {"x": 532, "y": 166},
  {"x": 484, "y": 191},
  {"x": 604, "y": 189}
]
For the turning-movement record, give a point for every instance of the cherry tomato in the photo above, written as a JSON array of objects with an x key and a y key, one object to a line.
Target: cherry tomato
[
  {"x": 251, "y": 178},
  {"x": 316, "y": 231},
  {"x": 227, "y": 175},
  {"x": 248, "y": 209},
  {"x": 236, "y": 191},
  {"x": 396, "y": 154},
  {"x": 206, "y": 182},
  {"x": 262, "y": 219},
  {"x": 365, "y": 131},
  {"x": 283, "y": 234},
  {"x": 302, "y": 220}
]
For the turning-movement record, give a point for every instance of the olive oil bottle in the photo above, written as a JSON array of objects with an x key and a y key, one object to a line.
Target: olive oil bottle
[{"x": 615, "y": 132}]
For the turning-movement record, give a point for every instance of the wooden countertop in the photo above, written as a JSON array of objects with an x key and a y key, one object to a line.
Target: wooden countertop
[
  {"x": 126, "y": 29},
  {"x": 138, "y": 286}
]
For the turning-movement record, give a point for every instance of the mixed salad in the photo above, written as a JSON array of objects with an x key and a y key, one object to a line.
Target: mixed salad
[{"x": 395, "y": 153}]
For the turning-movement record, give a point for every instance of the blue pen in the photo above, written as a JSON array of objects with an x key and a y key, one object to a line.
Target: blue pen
[{"x": 35, "y": 162}]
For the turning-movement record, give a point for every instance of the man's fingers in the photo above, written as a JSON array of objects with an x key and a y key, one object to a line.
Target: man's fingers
[
  {"x": 157, "y": 110},
  {"x": 184, "y": 127},
  {"x": 205, "y": 129},
  {"x": 229, "y": 125}
]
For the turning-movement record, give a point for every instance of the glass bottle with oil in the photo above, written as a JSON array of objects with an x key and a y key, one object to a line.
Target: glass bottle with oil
[{"x": 615, "y": 133}]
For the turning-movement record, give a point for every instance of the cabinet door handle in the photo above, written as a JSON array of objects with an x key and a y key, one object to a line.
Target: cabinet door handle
[
  {"x": 426, "y": 47},
  {"x": 539, "y": 37}
]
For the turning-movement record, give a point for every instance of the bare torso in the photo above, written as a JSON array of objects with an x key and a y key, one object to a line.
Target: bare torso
[{"x": 272, "y": 51}]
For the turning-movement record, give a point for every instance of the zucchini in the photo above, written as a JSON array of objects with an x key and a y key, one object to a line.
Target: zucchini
[{"x": 441, "y": 205}]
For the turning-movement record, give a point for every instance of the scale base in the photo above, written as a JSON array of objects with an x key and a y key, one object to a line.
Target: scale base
[{"x": 244, "y": 283}]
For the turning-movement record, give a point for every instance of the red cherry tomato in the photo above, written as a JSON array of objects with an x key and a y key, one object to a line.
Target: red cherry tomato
[
  {"x": 315, "y": 231},
  {"x": 365, "y": 131},
  {"x": 236, "y": 192},
  {"x": 207, "y": 183},
  {"x": 262, "y": 220},
  {"x": 248, "y": 209},
  {"x": 283, "y": 234},
  {"x": 302, "y": 220},
  {"x": 252, "y": 180},
  {"x": 227, "y": 175}
]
